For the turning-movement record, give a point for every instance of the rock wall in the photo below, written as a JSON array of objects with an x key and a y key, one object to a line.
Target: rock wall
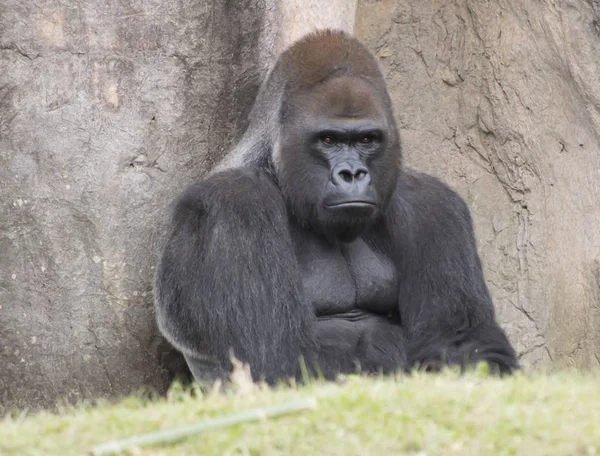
[
  {"x": 501, "y": 99},
  {"x": 107, "y": 111}
]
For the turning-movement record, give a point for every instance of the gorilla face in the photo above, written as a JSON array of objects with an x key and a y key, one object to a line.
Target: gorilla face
[{"x": 334, "y": 162}]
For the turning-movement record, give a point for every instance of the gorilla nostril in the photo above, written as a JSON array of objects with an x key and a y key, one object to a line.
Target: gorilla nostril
[
  {"x": 360, "y": 174},
  {"x": 346, "y": 175}
]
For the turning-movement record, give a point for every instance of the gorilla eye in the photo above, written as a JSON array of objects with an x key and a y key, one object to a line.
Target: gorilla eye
[
  {"x": 367, "y": 139},
  {"x": 328, "y": 140}
]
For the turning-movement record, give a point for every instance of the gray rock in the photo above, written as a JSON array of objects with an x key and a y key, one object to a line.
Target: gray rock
[
  {"x": 107, "y": 111},
  {"x": 502, "y": 101}
]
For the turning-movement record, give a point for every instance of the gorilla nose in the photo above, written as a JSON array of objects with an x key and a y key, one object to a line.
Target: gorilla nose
[
  {"x": 350, "y": 189},
  {"x": 350, "y": 175}
]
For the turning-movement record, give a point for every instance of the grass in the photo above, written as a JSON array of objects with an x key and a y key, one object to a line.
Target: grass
[{"x": 421, "y": 414}]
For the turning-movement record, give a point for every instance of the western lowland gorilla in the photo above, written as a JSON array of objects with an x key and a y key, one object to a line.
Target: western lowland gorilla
[{"x": 309, "y": 241}]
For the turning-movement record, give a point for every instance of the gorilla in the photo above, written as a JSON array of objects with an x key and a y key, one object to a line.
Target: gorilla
[{"x": 310, "y": 247}]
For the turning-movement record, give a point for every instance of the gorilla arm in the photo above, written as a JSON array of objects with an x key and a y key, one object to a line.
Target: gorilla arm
[
  {"x": 444, "y": 302},
  {"x": 228, "y": 278}
]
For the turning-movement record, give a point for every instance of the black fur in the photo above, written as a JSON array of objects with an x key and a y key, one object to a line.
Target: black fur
[
  {"x": 253, "y": 268},
  {"x": 228, "y": 279}
]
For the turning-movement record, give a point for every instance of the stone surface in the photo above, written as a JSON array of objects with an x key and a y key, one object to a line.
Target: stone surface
[
  {"x": 501, "y": 99},
  {"x": 108, "y": 110}
]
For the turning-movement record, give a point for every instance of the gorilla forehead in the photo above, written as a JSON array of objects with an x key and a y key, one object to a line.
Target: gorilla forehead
[{"x": 344, "y": 98}]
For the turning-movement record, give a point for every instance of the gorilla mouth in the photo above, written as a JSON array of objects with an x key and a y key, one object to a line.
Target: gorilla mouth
[
  {"x": 359, "y": 204},
  {"x": 351, "y": 212}
]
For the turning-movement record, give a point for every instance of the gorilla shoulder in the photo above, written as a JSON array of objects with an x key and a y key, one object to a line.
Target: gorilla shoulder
[{"x": 234, "y": 190}]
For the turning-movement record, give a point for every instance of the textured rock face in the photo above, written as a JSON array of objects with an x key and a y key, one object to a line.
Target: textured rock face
[
  {"x": 502, "y": 100},
  {"x": 107, "y": 112}
]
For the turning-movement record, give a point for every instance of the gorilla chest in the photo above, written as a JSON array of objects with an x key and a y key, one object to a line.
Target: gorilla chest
[{"x": 354, "y": 276}]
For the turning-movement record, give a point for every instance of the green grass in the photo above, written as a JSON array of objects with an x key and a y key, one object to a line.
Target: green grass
[{"x": 445, "y": 414}]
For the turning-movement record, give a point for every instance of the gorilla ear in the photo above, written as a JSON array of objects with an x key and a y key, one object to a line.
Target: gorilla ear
[
  {"x": 285, "y": 106},
  {"x": 284, "y": 112},
  {"x": 276, "y": 149}
]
